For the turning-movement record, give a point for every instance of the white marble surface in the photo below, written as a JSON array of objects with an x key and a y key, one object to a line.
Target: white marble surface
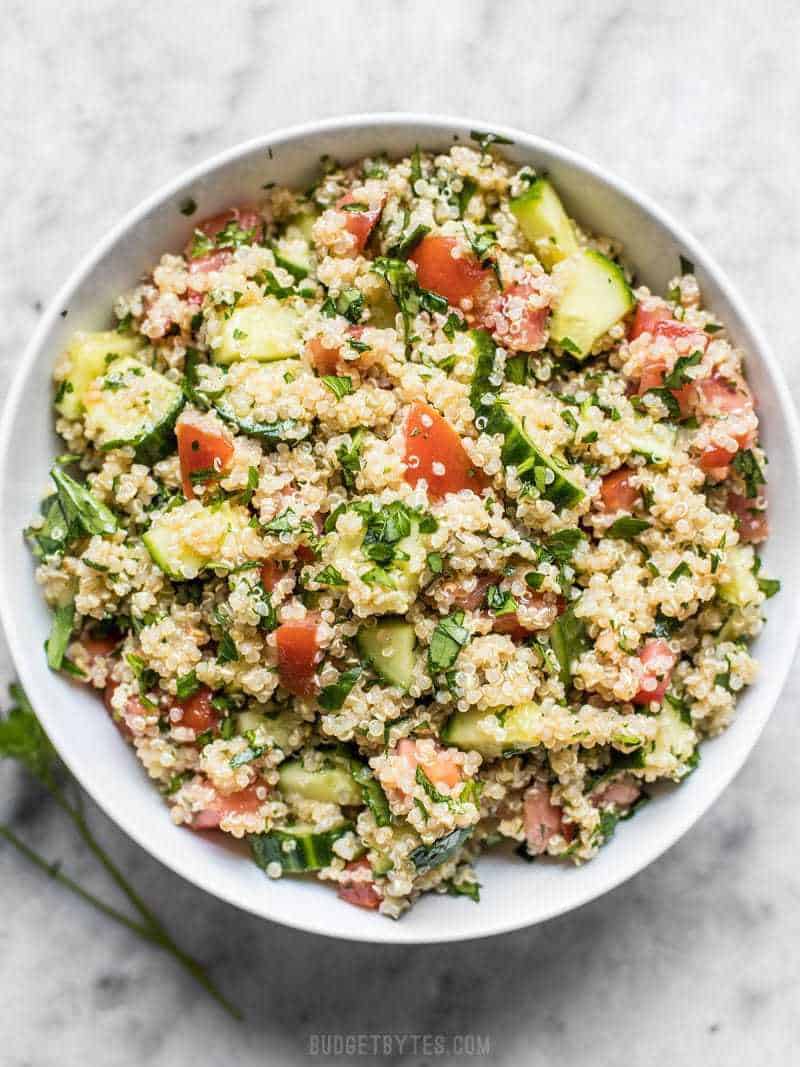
[{"x": 695, "y": 960}]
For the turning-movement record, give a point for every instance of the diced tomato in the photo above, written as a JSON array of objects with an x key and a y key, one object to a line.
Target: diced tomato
[
  {"x": 645, "y": 321},
  {"x": 621, "y": 793},
  {"x": 437, "y": 269},
  {"x": 652, "y": 377},
  {"x": 616, "y": 491},
  {"x": 543, "y": 820},
  {"x": 442, "y": 770},
  {"x": 359, "y": 224},
  {"x": 198, "y": 714},
  {"x": 658, "y": 322},
  {"x": 99, "y": 644},
  {"x": 470, "y": 599},
  {"x": 271, "y": 574},
  {"x": 726, "y": 396},
  {"x": 200, "y": 450},
  {"x": 357, "y": 891},
  {"x": 752, "y": 517},
  {"x": 298, "y": 655},
  {"x": 324, "y": 359},
  {"x": 715, "y": 459},
  {"x": 511, "y": 625},
  {"x": 434, "y": 452},
  {"x": 246, "y": 218},
  {"x": 658, "y": 659},
  {"x": 209, "y": 262},
  {"x": 245, "y": 801},
  {"x": 515, "y": 325},
  {"x": 675, "y": 331}
]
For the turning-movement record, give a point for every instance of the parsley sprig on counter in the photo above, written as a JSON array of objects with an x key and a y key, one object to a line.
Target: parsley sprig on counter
[{"x": 23, "y": 739}]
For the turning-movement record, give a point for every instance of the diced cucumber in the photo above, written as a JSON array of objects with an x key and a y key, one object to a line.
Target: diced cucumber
[
  {"x": 388, "y": 646},
  {"x": 543, "y": 220},
  {"x": 487, "y": 379},
  {"x": 284, "y": 729},
  {"x": 131, "y": 404},
  {"x": 268, "y": 433},
  {"x": 533, "y": 467},
  {"x": 518, "y": 450},
  {"x": 653, "y": 440},
  {"x": 672, "y": 752},
  {"x": 331, "y": 784},
  {"x": 88, "y": 355},
  {"x": 173, "y": 535},
  {"x": 296, "y": 848},
  {"x": 495, "y": 734},
  {"x": 594, "y": 297},
  {"x": 263, "y": 332},
  {"x": 303, "y": 223},
  {"x": 737, "y": 583},
  {"x": 292, "y": 252}
]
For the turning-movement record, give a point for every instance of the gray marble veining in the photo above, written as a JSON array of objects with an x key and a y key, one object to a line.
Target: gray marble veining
[{"x": 694, "y": 961}]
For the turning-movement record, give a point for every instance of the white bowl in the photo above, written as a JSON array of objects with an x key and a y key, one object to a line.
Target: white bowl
[{"x": 515, "y": 894}]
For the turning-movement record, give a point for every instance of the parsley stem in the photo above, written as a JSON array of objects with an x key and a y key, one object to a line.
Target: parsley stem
[
  {"x": 54, "y": 871},
  {"x": 152, "y": 929}
]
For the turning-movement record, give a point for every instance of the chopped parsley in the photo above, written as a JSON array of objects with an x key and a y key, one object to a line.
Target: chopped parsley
[
  {"x": 447, "y": 640},
  {"x": 747, "y": 465}
]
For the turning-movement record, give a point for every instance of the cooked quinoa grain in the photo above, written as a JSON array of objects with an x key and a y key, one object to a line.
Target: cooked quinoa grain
[{"x": 399, "y": 525}]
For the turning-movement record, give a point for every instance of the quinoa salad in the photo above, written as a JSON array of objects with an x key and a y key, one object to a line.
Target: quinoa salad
[{"x": 397, "y": 522}]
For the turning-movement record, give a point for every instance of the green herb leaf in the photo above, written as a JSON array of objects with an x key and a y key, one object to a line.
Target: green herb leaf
[
  {"x": 485, "y": 140},
  {"x": 627, "y": 527},
  {"x": 60, "y": 633},
  {"x": 769, "y": 586},
  {"x": 349, "y": 457},
  {"x": 22, "y": 738},
  {"x": 339, "y": 386},
  {"x": 687, "y": 267},
  {"x": 678, "y": 377},
  {"x": 332, "y": 697},
  {"x": 500, "y": 603},
  {"x": 447, "y": 640},
  {"x": 330, "y": 576},
  {"x": 426, "y": 857},
  {"x": 79, "y": 507},
  {"x": 747, "y": 465},
  {"x": 435, "y": 562},
  {"x": 683, "y": 570},
  {"x": 568, "y": 640},
  {"x": 464, "y": 889},
  {"x": 187, "y": 685}
]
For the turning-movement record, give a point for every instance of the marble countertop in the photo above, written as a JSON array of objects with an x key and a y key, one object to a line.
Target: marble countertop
[{"x": 696, "y": 959}]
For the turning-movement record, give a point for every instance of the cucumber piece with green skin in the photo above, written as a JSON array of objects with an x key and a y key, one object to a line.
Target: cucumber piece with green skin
[
  {"x": 132, "y": 405},
  {"x": 543, "y": 220},
  {"x": 171, "y": 536},
  {"x": 331, "y": 784},
  {"x": 672, "y": 753},
  {"x": 595, "y": 297},
  {"x": 292, "y": 253},
  {"x": 495, "y": 734},
  {"x": 487, "y": 379},
  {"x": 303, "y": 223},
  {"x": 88, "y": 356},
  {"x": 264, "y": 332},
  {"x": 738, "y": 585},
  {"x": 284, "y": 729},
  {"x": 518, "y": 450},
  {"x": 296, "y": 848},
  {"x": 269, "y": 433},
  {"x": 532, "y": 465},
  {"x": 388, "y": 647},
  {"x": 655, "y": 441}
]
